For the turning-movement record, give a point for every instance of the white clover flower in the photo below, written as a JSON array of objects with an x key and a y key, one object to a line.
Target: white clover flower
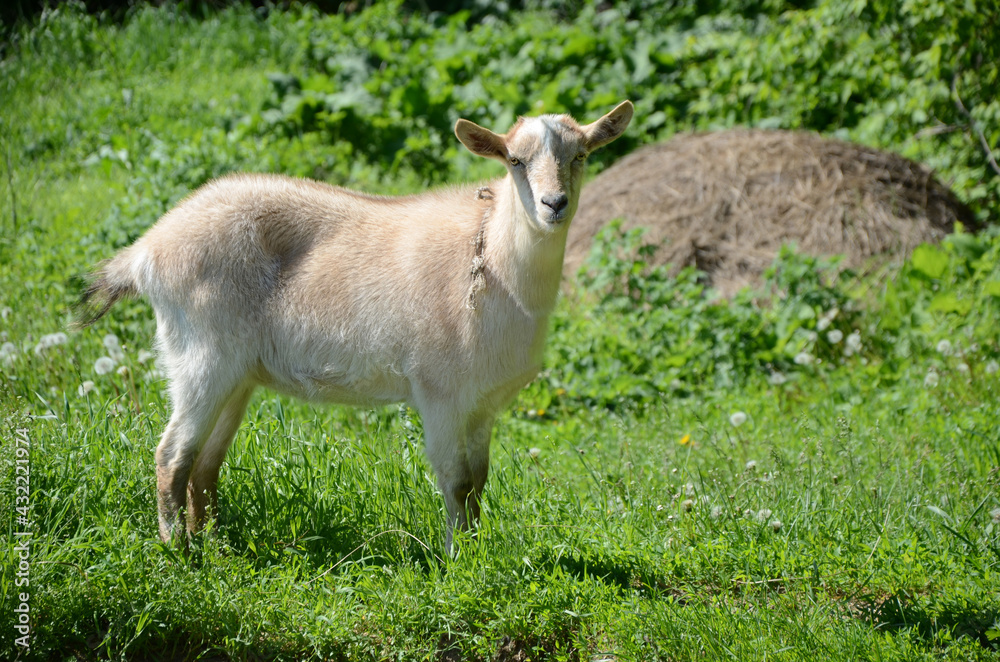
[
  {"x": 944, "y": 347},
  {"x": 992, "y": 367},
  {"x": 763, "y": 515},
  {"x": 776, "y": 379},
  {"x": 716, "y": 512},
  {"x": 143, "y": 356},
  {"x": 659, "y": 508},
  {"x": 751, "y": 465},
  {"x": 931, "y": 380},
  {"x": 85, "y": 388},
  {"x": 803, "y": 358},
  {"x": 687, "y": 505},
  {"x": 776, "y": 525},
  {"x": 534, "y": 452},
  {"x": 104, "y": 365},
  {"x": 835, "y": 336},
  {"x": 737, "y": 418}
]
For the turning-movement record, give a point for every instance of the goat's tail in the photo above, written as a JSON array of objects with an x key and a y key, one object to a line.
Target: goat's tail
[{"x": 112, "y": 281}]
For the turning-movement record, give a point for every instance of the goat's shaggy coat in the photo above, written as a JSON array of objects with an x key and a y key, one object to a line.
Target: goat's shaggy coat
[{"x": 440, "y": 300}]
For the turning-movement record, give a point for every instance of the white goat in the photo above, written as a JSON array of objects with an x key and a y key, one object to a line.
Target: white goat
[{"x": 440, "y": 300}]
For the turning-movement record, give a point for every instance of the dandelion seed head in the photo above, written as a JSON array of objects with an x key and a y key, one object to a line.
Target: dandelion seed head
[
  {"x": 852, "y": 345},
  {"x": 533, "y": 453},
  {"x": 6, "y": 312},
  {"x": 944, "y": 347},
  {"x": 8, "y": 349},
  {"x": 85, "y": 388},
  {"x": 995, "y": 514},
  {"x": 716, "y": 512},
  {"x": 687, "y": 505},
  {"x": 659, "y": 508},
  {"x": 122, "y": 371},
  {"x": 738, "y": 418},
  {"x": 143, "y": 356},
  {"x": 111, "y": 342},
  {"x": 688, "y": 489},
  {"x": 104, "y": 365},
  {"x": 962, "y": 367},
  {"x": 777, "y": 379},
  {"x": 763, "y": 515},
  {"x": 835, "y": 336},
  {"x": 931, "y": 379},
  {"x": 992, "y": 367},
  {"x": 751, "y": 465},
  {"x": 823, "y": 324},
  {"x": 803, "y": 358},
  {"x": 50, "y": 340},
  {"x": 776, "y": 525}
]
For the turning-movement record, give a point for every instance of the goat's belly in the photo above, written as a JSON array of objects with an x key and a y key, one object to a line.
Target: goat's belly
[{"x": 354, "y": 381}]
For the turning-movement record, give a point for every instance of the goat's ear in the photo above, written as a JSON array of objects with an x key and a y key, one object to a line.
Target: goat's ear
[
  {"x": 609, "y": 127},
  {"x": 481, "y": 141}
]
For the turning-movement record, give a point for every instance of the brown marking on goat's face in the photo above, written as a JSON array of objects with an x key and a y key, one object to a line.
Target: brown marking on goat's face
[{"x": 545, "y": 159}]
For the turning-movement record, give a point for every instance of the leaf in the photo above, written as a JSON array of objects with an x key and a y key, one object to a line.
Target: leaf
[
  {"x": 937, "y": 511},
  {"x": 929, "y": 261},
  {"x": 948, "y": 302}
]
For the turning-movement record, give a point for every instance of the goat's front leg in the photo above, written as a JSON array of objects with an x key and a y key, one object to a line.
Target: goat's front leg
[{"x": 459, "y": 452}]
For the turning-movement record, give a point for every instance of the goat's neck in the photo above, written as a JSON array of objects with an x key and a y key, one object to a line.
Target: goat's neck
[{"x": 524, "y": 262}]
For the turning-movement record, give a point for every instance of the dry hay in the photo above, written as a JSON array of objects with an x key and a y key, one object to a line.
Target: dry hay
[{"x": 725, "y": 203}]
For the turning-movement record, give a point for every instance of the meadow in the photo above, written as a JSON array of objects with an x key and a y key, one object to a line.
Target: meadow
[{"x": 808, "y": 470}]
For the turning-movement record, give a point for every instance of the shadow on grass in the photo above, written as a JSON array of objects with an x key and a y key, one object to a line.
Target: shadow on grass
[{"x": 930, "y": 618}]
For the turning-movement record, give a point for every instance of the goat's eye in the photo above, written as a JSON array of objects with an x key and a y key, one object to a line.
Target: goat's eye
[
  {"x": 581, "y": 157},
  {"x": 514, "y": 161}
]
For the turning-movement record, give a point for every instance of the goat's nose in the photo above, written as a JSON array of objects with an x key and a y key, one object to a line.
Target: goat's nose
[{"x": 555, "y": 202}]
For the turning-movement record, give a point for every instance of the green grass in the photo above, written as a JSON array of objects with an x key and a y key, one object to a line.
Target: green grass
[{"x": 855, "y": 514}]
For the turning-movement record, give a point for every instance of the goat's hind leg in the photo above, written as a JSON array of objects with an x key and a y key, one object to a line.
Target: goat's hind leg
[
  {"x": 203, "y": 485},
  {"x": 198, "y": 397}
]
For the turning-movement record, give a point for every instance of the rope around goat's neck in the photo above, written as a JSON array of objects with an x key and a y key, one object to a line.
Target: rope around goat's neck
[{"x": 479, "y": 241}]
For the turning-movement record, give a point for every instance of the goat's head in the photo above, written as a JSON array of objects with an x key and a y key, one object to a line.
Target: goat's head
[{"x": 545, "y": 157}]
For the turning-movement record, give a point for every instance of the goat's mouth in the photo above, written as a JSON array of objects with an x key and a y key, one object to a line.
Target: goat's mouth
[{"x": 555, "y": 218}]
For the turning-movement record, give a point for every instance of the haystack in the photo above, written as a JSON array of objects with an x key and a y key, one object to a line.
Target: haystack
[{"x": 725, "y": 203}]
